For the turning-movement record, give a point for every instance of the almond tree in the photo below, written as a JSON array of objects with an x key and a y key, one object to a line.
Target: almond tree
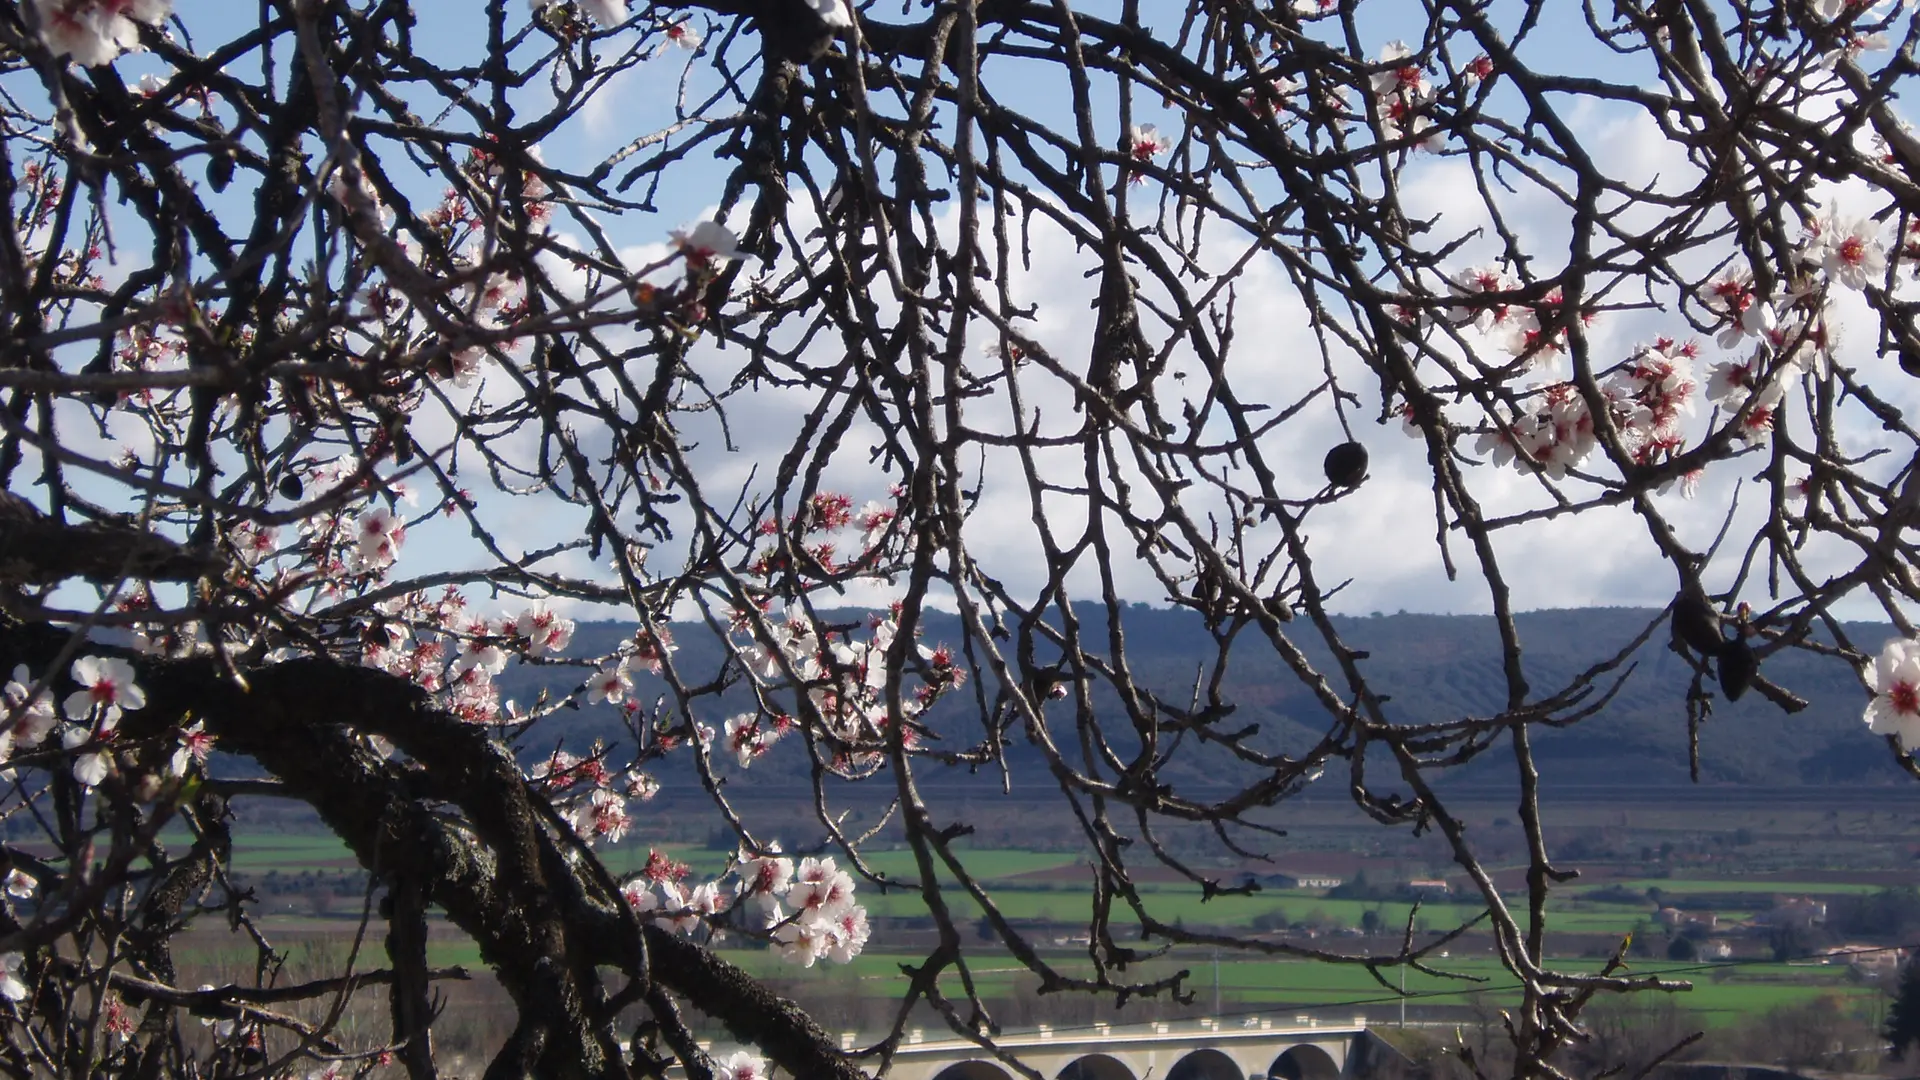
[{"x": 347, "y": 360}]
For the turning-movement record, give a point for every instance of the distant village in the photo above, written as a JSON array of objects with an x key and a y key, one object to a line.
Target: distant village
[{"x": 1756, "y": 932}]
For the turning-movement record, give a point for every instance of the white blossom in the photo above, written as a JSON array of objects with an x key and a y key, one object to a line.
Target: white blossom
[
  {"x": 90, "y": 768},
  {"x": 611, "y": 683},
  {"x": 1756, "y": 423},
  {"x": 12, "y": 987},
  {"x": 606, "y": 12},
  {"x": 745, "y": 738},
  {"x": 847, "y": 934},
  {"x": 741, "y": 1066},
  {"x": 1471, "y": 282},
  {"x": 801, "y": 942},
  {"x": 708, "y": 242},
  {"x": 1400, "y": 77},
  {"x": 252, "y": 543},
  {"x": 1144, "y": 141},
  {"x": 194, "y": 746},
  {"x": 833, "y": 12},
  {"x": 1854, "y": 254},
  {"x": 379, "y": 534},
  {"x": 106, "y": 687},
  {"x": 30, "y": 720},
  {"x": 820, "y": 887},
  {"x": 546, "y": 633},
  {"x": 1757, "y": 320},
  {"x": 1894, "y": 679},
  {"x": 1730, "y": 381},
  {"x": 94, "y": 32}
]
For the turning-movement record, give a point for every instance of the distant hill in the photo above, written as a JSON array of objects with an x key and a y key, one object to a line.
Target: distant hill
[{"x": 1435, "y": 667}]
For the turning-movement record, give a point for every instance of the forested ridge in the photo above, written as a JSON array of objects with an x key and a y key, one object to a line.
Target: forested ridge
[{"x": 1433, "y": 668}]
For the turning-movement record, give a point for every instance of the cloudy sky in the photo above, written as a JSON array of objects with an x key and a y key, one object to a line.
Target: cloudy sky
[{"x": 1381, "y": 536}]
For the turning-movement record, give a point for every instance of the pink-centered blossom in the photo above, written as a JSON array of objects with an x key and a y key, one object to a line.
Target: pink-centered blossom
[
  {"x": 29, "y": 720},
  {"x": 1894, "y": 680},
  {"x": 21, "y": 885},
  {"x": 682, "y": 35},
  {"x": 820, "y": 887},
  {"x": 874, "y": 519},
  {"x": 1851, "y": 46},
  {"x": 802, "y": 941},
  {"x": 603, "y": 817},
  {"x": 693, "y": 906},
  {"x": 652, "y": 648},
  {"x": 745, "y": 739},
  {"x": 94, "y": 32},
  {"x": 1758, "y": 321},
  {"x": 707, "y": 243},
  {"x": 1730, "y": 381},
  {"x": 194, "y": 746},
  {"x": 741, "y": 1066},
  {"x": 546, "y": 632},
  {"x": 1399, "y": 73},
  {"x": 1145, "y": 142},
  {"x": 639, "y": 895},
  {"x": 641, "y": 786},
  {"x": 252, "y": 543},
  {"x": 1410, "y": 421},
  {"x": 1501, "y": 445},
  {"x": 470, "y": 678},
  {"x": 1470, "y": 283},
  {"x": 1401, "y": 118},
  {"x": 610, "y": 684},
  {"x": 1654, "y": 392},
  {"x": 764, "y": 875},
  {"x": 377, "y": 538},
  {"x": 1763, "y": 406},
  {"x": 847, "y": 934},
  {"x": 1854, "y": 253},
  {"x": 1744, "y": 313},
  {"x": 106, "y": 688}
]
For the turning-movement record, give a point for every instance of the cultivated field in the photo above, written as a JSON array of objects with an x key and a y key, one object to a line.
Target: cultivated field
[{"x": 1720, "y": 871}]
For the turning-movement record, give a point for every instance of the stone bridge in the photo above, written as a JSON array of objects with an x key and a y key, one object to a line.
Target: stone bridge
[{"x": 1252, "y": 1049}]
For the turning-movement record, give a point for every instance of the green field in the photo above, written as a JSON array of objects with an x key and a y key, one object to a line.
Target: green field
[
  {"x": 1723, "y": 994},
  {"x": 1023, "y": 890},
  {"x": 1015, "y": 881},
  {"x": 1684, "y": 887},
  {"x": 284, "y": 852},
  {"x": 986, "y": 865},
  {"x": 1181, "y": 906},
  {"x": 294, "y": 852}
]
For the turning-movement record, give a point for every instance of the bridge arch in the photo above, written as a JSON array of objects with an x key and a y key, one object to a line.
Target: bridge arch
[
  {"x": 973, "y": 1070},
  {"x": 1206, "y": 1065},
  {"x": 1096, "y": 1067},
  {"x": 1304, "y": 1062}
]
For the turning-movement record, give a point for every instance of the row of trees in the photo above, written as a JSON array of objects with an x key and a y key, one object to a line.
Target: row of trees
[{"x": 349, "y": 350}]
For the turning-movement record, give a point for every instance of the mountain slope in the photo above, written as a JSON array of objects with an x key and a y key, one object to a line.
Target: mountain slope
[{"x": 1434, "y": 667}]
